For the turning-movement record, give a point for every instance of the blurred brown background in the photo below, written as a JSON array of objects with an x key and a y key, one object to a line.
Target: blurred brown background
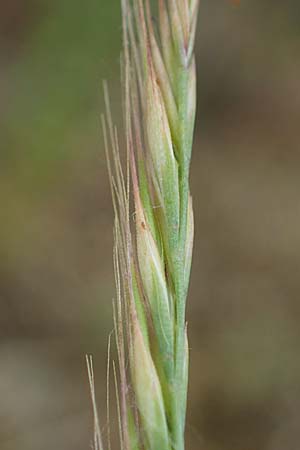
[{"x": 56, "y": 275}]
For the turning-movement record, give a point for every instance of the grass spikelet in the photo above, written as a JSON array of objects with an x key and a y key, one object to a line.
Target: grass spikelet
[{"x": 153, "y": 253}]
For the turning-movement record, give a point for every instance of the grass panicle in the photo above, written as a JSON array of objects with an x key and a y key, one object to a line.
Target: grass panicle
[{"x": 153, "y": 229}]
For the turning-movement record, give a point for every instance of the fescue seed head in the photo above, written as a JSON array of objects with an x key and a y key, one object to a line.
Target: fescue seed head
[{"x": 153, "y": 266}]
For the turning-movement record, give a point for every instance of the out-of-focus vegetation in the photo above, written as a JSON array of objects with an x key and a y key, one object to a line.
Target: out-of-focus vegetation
[{"x": 56, "y": 273}]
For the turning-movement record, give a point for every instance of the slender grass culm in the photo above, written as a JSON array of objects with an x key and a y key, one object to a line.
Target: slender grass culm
[{"x": 153, "y": 229}]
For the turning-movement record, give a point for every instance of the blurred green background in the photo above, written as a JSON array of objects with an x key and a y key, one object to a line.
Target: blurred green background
[{"x": 56, "y": 275}]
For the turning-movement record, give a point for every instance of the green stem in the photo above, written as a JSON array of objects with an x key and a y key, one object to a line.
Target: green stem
[{"x": 180, "y": 383}]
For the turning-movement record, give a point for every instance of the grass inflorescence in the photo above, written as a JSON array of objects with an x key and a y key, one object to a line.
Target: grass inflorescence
[{"x": 153, "y": 229}]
